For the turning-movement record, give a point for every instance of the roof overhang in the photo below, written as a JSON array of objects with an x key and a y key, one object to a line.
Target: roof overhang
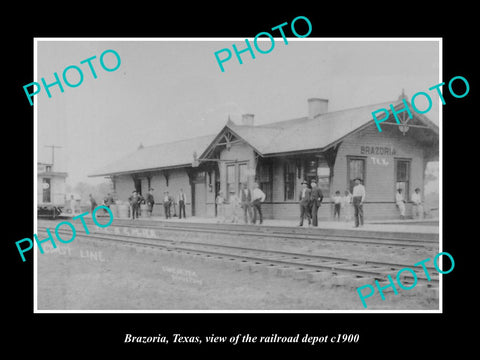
[
  {"x": 295, "y": 152},
  {"x": 53, "y": 173},
  {"x": 136, "y": 171}
]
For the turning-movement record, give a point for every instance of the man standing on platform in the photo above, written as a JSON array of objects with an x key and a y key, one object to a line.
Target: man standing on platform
[
  {"x": 358, "y": 199},
  {"x": 167, "y": 202},
  {"x": 150, "y": 202},
  {"x": 258, "y": 197},
  {"x": 316, "y": 198},
  {"x": 400, "y": 201},
  {"x": 417, "y": 204},
  {"x": 109, "y": 200},
  {"x": 141, "y": 200},
  {"x": 134, "y": 204},
  {"x": 305, "y": 195},
  {"x": 181, "y": 199},
  {"x": 246, "y": 202}
]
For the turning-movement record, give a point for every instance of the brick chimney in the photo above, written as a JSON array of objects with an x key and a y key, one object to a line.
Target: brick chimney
[
  {"x": 317, "y": 106},
  {"x": 247, "y": 119}
]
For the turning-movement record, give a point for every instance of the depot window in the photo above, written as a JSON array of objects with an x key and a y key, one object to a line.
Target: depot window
[
  {"x": 230, "y": 180},
  {"x": 242, "y": 175},
  {"x": 402, "y": 177},
  {"x": 316, "y": 168},
  {"x": 355, "y": 169},
  {"x": 265, "y": 179},
  {"x": 289, "y": 180},
  {"x": 323, "y": 177}
]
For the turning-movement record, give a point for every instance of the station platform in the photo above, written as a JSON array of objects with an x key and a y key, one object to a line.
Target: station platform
[{"x": 427, "y": 226}]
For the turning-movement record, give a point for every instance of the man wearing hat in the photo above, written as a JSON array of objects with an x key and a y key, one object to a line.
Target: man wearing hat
[
  {"x": 417, "y": 204},
  {"x": 400, "y": 202},
  {"x": 357, "y": 200},
  {"x": 316, "y": 198},
  {"x": 150, "y": 201},
  {"x": 246, "y": 202},
  {"x": 304, "y": 198},
  {"x": 108, "y": 200},
  {"x": 134, "y": 203},
  {"x": 167, "y": 202},
  {"x": 181, "y": 199}
]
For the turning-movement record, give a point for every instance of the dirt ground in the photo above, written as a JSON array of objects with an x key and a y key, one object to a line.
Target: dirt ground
[{"x": 88, "y": 275}]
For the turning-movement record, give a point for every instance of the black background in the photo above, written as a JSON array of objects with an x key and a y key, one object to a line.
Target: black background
[{"x": 381, "y": 335}]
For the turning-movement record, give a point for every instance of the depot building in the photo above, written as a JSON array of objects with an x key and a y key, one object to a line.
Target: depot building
[{"x": 333, "y": 148}]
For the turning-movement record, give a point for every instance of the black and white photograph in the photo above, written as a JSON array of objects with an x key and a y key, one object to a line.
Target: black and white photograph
[
  {"x": 230, "y": 181},
  {"x": 272, "y": 185}
]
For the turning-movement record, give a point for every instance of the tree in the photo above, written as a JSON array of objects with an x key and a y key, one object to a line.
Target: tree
[{"x": 98, "y": 191}]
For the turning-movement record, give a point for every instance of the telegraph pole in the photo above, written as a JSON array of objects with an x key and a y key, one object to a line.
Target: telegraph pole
[{"x": 53, "y": 152}]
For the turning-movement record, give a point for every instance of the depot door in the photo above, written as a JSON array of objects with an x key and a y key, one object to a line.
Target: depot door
[
  {"x": 200, "y": 200},
  {"x": 200, "y": 194},
  {"x": 237, "y": 174}
]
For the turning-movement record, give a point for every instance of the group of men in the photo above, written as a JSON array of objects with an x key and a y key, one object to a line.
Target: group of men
[
  {"x": 417, "y": 207},
  {"x": 251, "y": 203},
  {"x": 169, "y": 201},
  {"x": 136, "y": 199},
  {"x": 310, "y": 202},
  {"x": 107, "y": 201}
]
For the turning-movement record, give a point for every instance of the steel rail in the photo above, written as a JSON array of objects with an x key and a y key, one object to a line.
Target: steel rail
[{"x": 333, "y": 264}]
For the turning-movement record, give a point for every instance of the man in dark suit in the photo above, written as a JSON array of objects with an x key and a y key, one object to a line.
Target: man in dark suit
[
  {"x": 150, "y": 201},
  {"x": 134, "y": 203},
  {"x": 316, "y": 198},
  {"x": 304, "y": 198},
  {"x": 108, "y": 200},
  {"x": 167, "y": 203},
  {"x": 246, "y": 202}
]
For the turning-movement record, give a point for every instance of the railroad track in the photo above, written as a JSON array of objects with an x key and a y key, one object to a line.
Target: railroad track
[
  {"x": 350, "y": 239},
  {"x": 370, "y": 270},
  {"x": 301, "y": 234}
]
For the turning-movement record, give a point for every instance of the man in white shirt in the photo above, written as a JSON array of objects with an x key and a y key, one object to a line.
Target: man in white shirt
[
  {"x": 358, "y": 197},
  {"x": 417, "y": 204},
  {"x": 258, "y": 197},
  {"x": 399, "y": 200},
  {"x": 245, "y": 197},
  {"x": 181, "y": 200}
]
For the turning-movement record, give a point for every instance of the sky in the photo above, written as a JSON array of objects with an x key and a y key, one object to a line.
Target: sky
[{"x": 172, "y": 89}]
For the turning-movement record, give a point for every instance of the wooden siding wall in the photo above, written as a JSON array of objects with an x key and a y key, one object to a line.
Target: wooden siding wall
[
  {"x": 380, "y": 173},
  {"x": 177, "y": 179}
]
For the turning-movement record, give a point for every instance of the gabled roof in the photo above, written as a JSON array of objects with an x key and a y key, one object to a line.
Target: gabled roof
[
  {"x": 307, "y": 133},
  {"x": 295, "y": 135},
  {"x": 320, "y": 132}
]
